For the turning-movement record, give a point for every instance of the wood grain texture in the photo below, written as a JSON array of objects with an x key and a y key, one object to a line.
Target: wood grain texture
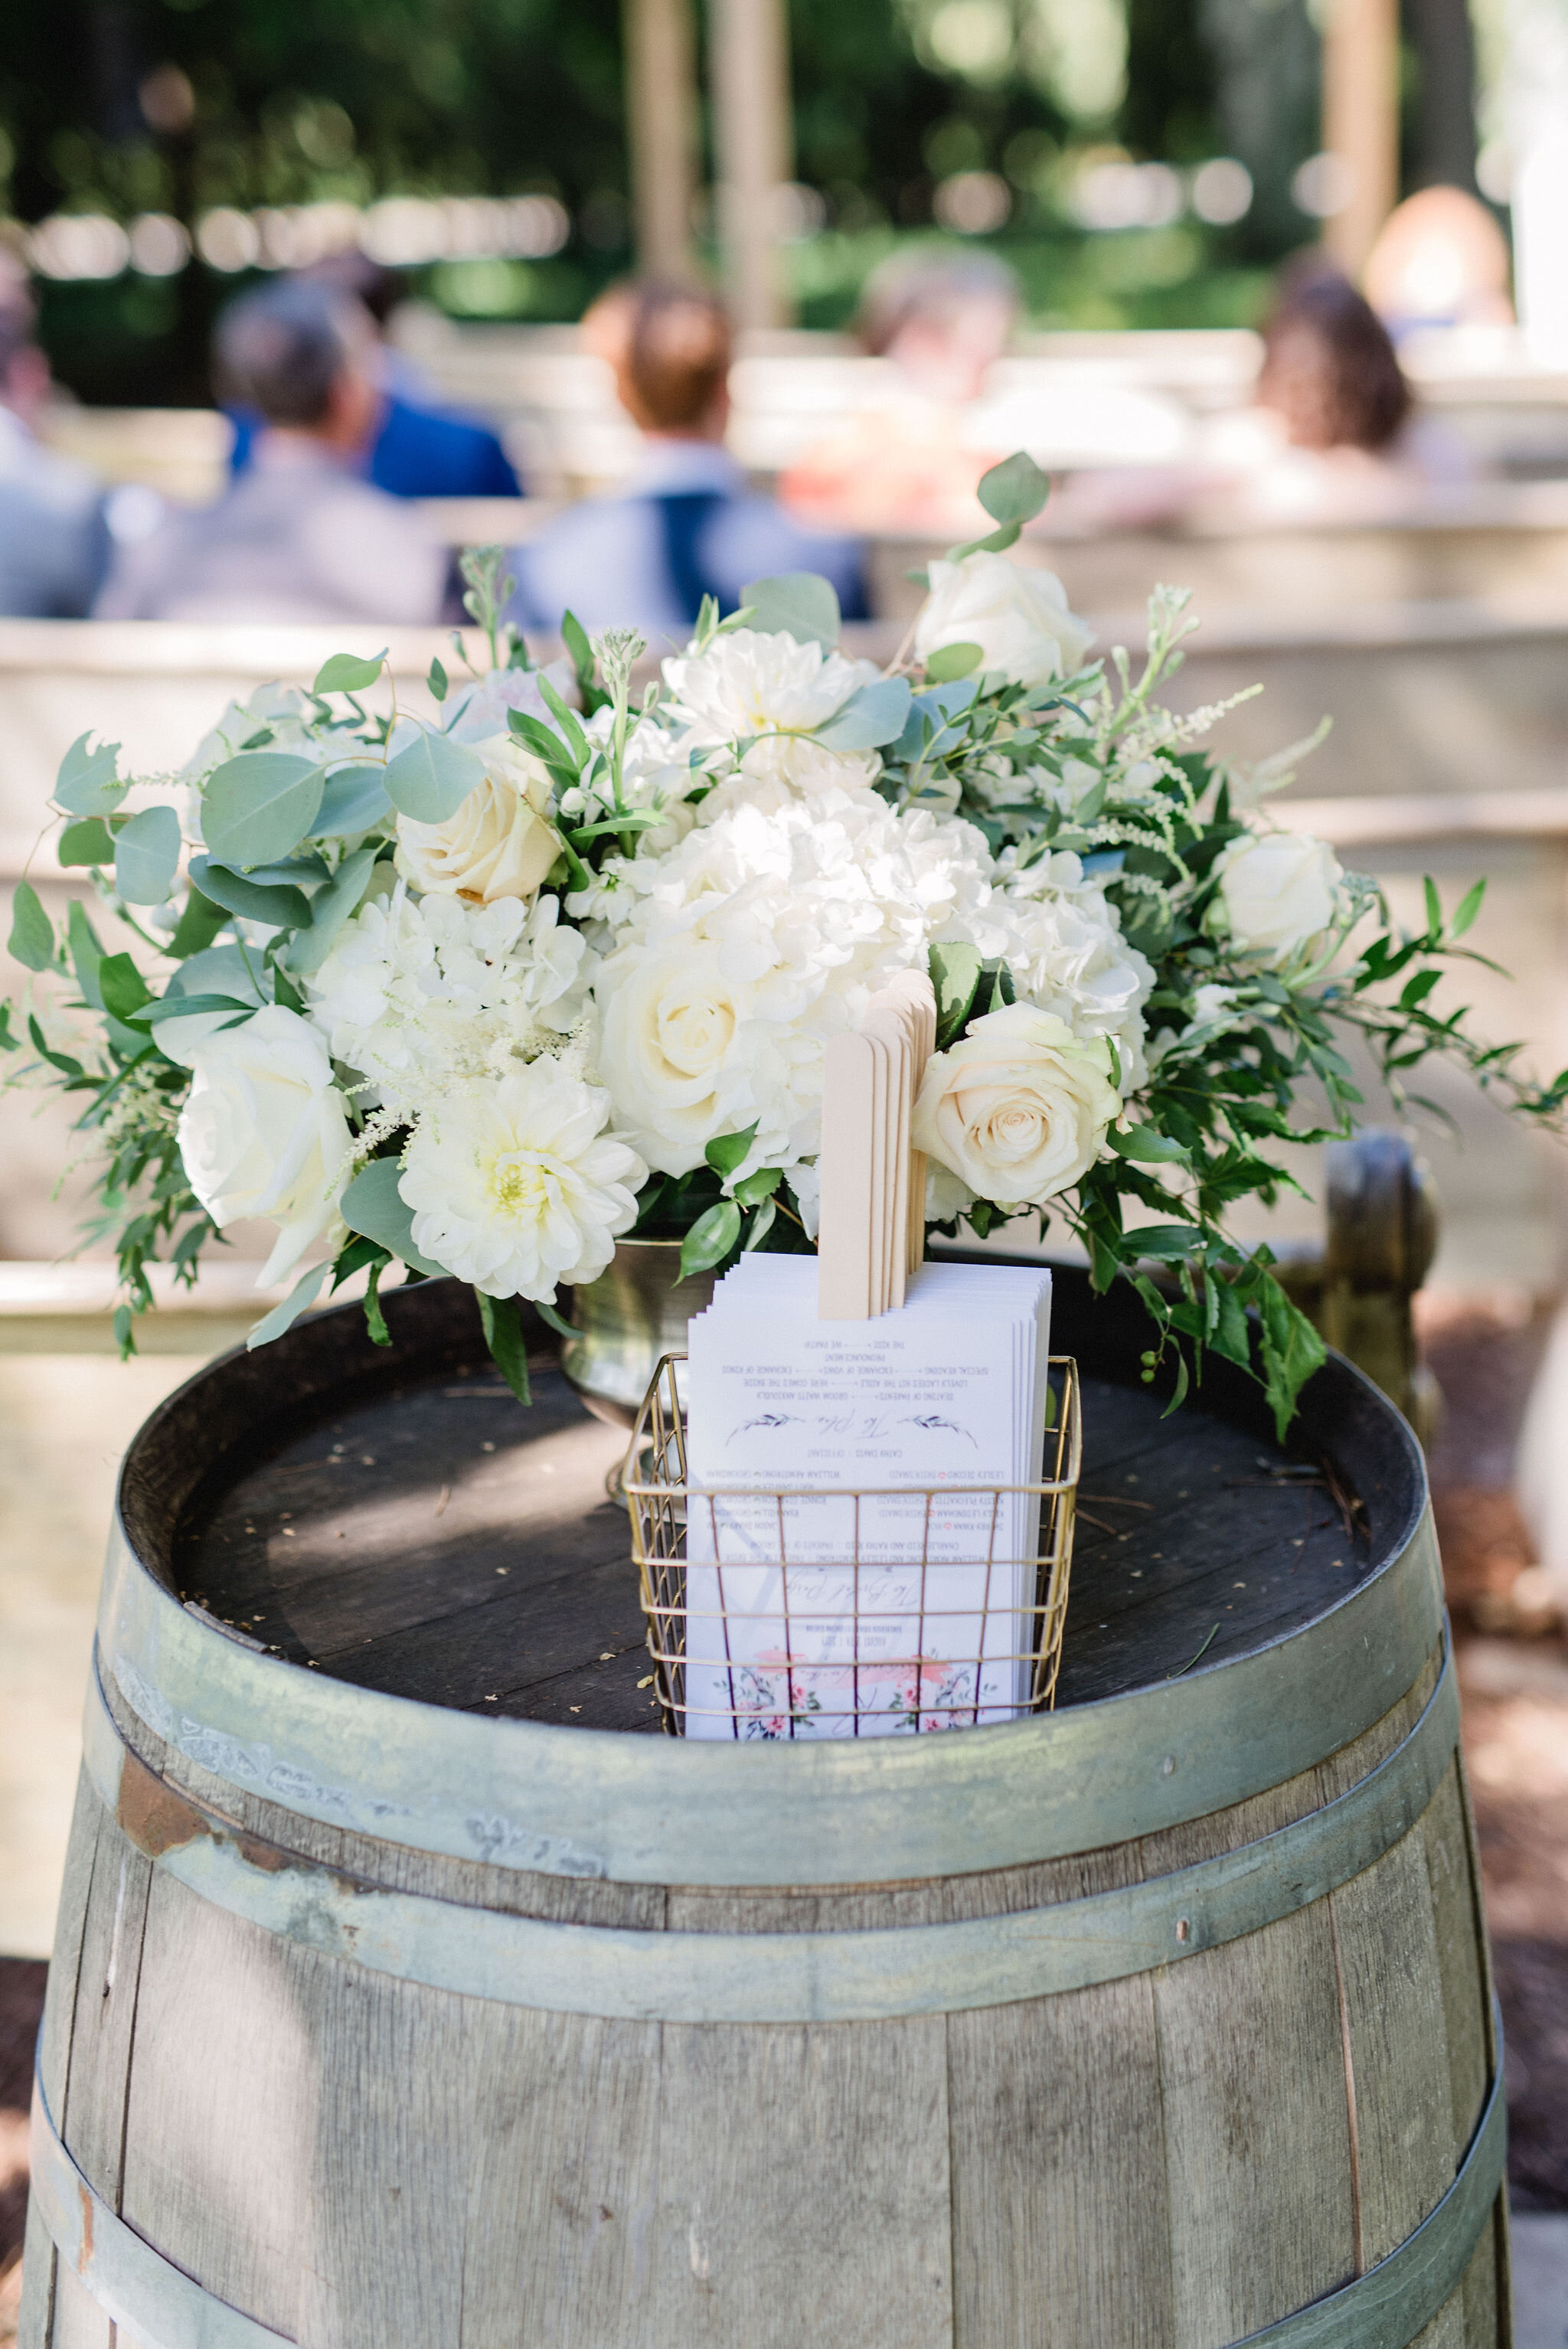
[
  {"x": 92, "y": 2122},
  {"x": 1060, "y": 2229},
  {"x": 563, "y": 2182},
  {"x": 80, "y": 2321},
  {"x": 1257, "y": 2150},
  {"x": 35, "y": 2316},
  {"x": 64, "y": 1965},
  {"x": 824, "y": 2213}
]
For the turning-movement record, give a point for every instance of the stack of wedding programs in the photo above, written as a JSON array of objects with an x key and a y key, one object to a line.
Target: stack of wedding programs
[{"x": 859, "y": 1560}]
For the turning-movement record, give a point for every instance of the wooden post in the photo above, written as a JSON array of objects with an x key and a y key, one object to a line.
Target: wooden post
[
  {"x": 661, "y": 111},
  {"x": 753, "y": 150},
  {"x": 1361, "y": 119}
]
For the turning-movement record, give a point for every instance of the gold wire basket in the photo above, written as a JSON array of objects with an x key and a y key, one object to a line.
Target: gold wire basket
[{"x": 784, "y": 1621}]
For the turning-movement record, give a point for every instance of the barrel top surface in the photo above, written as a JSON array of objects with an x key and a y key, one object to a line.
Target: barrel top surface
[{"x": 324, "y": 1515}]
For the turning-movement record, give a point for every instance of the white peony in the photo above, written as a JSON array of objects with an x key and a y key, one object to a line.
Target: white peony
[
  {"x": 1067, "y": 955},
  {"x": 1018, "y": 618},
  {"x": 516, "y": 1186},
  {"x": 1019, "y": 1108},
  {"x": 767, "y": 690},
  {"x": 421, "y": 993},
  {"x": 1279, "y": 891},
  {"x": 499, "y": 843},
  {"x": 764, "y": 933},
  {"x": 265, "y": 1132}
]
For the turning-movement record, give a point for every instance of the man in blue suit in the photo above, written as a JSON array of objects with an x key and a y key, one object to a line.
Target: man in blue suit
[{"x": 688, "y": 523}]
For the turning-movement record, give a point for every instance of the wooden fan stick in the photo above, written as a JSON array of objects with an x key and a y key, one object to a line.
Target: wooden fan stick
[{"x": 872, "y": 1228}]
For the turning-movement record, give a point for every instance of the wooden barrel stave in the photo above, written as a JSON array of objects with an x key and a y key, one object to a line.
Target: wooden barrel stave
[
  {"x": 1201, "y": 2099},
  {"x": 342, "y": 2157}
]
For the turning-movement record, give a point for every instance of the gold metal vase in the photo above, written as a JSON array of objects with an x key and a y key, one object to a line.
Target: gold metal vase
[{"x": 633, "y": 1314}]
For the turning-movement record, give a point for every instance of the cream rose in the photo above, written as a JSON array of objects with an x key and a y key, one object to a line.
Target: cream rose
[
  {"x": 499, "y": 843},
  {"x": 1019, "y": 1108},
  {"x": 1018, "y": 618},
  {"x": 265, "y": 1132},
  {"x": 671, "y": 1017},
  {"x": 1278, "y": 890}
]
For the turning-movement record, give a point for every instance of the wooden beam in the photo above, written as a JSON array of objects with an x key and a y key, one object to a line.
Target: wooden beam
[
  {"x": 661, "y": 113},
  {"x": 1361, "y": 119},
  {"x": 753, "y": 150}
]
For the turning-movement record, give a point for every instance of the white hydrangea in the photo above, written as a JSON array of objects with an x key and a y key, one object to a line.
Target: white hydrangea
[
  {"x": 764, "y": 933},
  {"x": 419, "y": 993},
  {"x": 1067, "y": 954},
  {"x": 766, "y": 689}
]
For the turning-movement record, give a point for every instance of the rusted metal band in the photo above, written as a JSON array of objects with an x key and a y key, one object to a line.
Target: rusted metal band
[
  {"x": 860, "y": 1976},
  {"x": 139, "y": 2287},
  {"x": 650, "y": 1810}
]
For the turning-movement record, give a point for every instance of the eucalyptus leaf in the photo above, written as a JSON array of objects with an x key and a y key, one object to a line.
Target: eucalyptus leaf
[
  {"x": 354, "y": 800},
  {"x": 260, "y": 805},
  {"x": 198, "y": 925},
  {"x": 282, "y": 908},
  {"x": 330, "y": 909},
  {"x": 87, "y": 783},
  {"x": 347, "y": 673},
  {"x": 1015, "y": 491},
  {"x": 220, "y": 970},
  {"x": 86, "y": 953},
  {"x": 304, "y": 1293},
  {"x": 122, "y": 986},
  {"x": 431, "y": 777},
  {"x": 796, "y": 604},
  {"x": 876, "y": 714},
  {"x": 436, "y": 681},
  {"x": 32, "y": 932},
  {"x": 88, "y": 840},
  {"x": 147, "y": 856},
  {"x": 948, "y": 663},
  {"x": 374, "y": 1205}
]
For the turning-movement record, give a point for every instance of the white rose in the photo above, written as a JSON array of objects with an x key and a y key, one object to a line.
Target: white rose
[
  {"x": 670, "y": 1020},
  {"x": 1277, "y": 891},
  {"x": 1019, "y": 1108},
  {"x": 265, "y": 1132},
  {"x": 1018, "y": 618},
  {"x": 516, "y": 1186},
  {"x": 499, "y": 843}
]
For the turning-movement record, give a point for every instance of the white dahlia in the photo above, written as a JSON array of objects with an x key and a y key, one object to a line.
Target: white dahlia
[
  {"x": 766, "y": 690},
  {"x": 1067, "y": 956},
  {"x": 515, "y": 1185}
]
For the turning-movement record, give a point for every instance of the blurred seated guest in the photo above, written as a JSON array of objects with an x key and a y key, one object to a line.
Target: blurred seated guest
[
  {"x": 1331, "y": 436},
  {"x": 54, "y": 544},
  {"x": 1440, "y": 259},
  {"x": 911, "y": 457},
  {"x": 687, "y": 525},
  {"x": 301, "y": 535},
  {"x": 418, "y": 448}
]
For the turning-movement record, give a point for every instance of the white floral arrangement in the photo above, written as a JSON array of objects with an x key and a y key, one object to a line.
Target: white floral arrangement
[{"x": 482, "y": 992}]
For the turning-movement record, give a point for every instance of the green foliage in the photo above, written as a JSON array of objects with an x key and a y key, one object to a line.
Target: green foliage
[
  {"x": 796, "y": 604},
  {"x": 147, "y": 856},
  {"x": 950, "y": 662},
  {"x": 871, "y": 718},
  {"x": 354, "y": 800},
  {"x": 714, "y": 1235},
  {"x": 347, "y": 673},
  {"x": 88, "y": 841},
  {"x": 32, "y": 942},
  {"x": 329, "y": 909},
  {"x": 431, "y": 777},
  {"x": 501, "y": 1319},
  {"x": 374, "y": 1205},
  {"x": 259, "y": 806},
  {"x": 87, "y": 783}
]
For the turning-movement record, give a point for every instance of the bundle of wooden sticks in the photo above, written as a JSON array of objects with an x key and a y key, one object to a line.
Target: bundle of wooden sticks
[{"x": 873, "y": 1228}]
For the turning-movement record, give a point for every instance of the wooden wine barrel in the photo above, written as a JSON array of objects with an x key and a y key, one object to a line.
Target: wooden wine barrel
[{"x": 411, "y": 1989}]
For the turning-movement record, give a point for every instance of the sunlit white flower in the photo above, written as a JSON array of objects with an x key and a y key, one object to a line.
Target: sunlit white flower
[
  {"x": 499, "y": 843},
  {"x": 1279, "y": 891},
  {"x": 1067, "y": 955},
  {"x": 1018, "y": 618},
  {"x": 1019, "y": 1109},
  {"x": 761, "y": 937},
  {"x": 769, "y": 692},
  {"x": 419, "y": 993},
  {"x": 265, "y": 1132},
  {"x": 515, "y": 1185}
]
